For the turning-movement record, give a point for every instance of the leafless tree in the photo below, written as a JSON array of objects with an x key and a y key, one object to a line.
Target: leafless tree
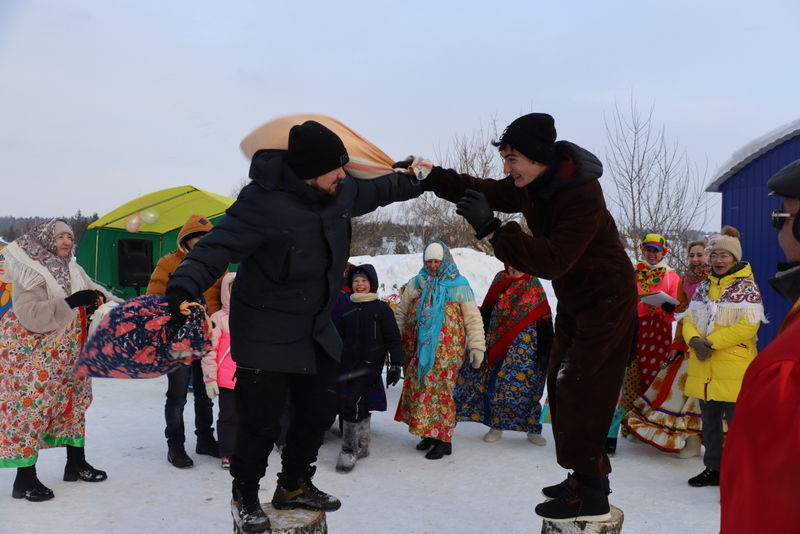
[{"x": 658, "y": 189}]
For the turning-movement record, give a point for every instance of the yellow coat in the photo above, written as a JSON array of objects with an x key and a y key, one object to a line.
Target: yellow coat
[{"x": 732, "y": 336}]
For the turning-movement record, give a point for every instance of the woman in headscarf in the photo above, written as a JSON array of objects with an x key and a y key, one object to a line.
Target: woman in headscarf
[
  {"x": 664, "y": 416},
  {"x": 504, "y": 393},
  {"x": 438, "y": 319},
  {"x": 42, "y": 402},
  {"x": 720, "y": 329}
]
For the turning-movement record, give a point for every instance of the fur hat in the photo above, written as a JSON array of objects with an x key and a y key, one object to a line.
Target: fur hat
[
  {"x": 727, "y": 240},
  {"x": 314, "y": 150},
  {"x": 434, "y": 251},
  {"x": 533, "y": 135}
]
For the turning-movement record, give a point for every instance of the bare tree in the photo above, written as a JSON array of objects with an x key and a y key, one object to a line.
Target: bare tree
[{"x": 658, "y": 189}]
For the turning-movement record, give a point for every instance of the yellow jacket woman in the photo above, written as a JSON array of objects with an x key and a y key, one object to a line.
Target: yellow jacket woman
[{"x": 720, "y": 328}]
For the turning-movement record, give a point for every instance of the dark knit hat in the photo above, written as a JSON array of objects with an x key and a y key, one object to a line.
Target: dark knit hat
[
  {"x": 314, "y": 150},
  {"x": 533, "y": 135}
]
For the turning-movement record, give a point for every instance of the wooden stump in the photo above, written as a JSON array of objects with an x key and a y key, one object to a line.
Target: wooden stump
[
  {"x": 298, "y": 521},
  {"x": 610, "y": 526}
]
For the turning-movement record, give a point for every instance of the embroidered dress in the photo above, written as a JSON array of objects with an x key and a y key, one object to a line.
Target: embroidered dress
[
  {"x": 664, "y": 416},
  {"x": 505, "y": 392}
]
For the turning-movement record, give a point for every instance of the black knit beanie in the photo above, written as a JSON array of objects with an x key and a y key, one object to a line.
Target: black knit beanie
[
  {"x": 314, "y": 150},
  {"x": 533, "y": 135}
]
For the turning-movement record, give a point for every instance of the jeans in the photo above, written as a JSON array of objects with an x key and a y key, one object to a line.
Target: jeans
[
  {"x": 178, "y": 381},
  {"x": 712, "y": 413},
  {"x": 260, "y": 402}
]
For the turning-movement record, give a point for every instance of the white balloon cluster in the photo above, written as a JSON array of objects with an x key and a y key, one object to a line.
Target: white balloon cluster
[{"x": 134, "y": 223}]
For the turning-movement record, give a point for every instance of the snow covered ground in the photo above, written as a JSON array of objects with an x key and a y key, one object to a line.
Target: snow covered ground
[{"x": 481, "y": 488}]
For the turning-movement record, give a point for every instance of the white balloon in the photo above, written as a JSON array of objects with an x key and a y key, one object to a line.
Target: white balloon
[
  {"x": 149, "y": 216},
  {"x": 133, "y": 223}
]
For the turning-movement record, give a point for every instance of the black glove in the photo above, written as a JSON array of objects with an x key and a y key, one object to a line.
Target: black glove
[
  {"x": 668, "y": 307},
  {"x": 474, "y": 207},
  {"x": 702, "y": 348},
  {"x": 175, "y": 297},
  {"x": 393, "y": 375},
  {"x": 81, "y": 298}
]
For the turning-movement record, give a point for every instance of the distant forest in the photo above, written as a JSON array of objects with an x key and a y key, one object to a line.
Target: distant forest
[{"x": 13, "y": 227}]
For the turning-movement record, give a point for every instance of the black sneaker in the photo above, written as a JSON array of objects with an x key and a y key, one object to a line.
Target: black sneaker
[
  {"x": 577, "y": 502},
  {"x": 179, "y": 458},
  {"x": 552, "y": 492},
  {"x": 708, "y": 477},
  {"x": 248, "y": 516},
  {"x": 304, "y": 495},
  {"x": 207, "y": 446}
]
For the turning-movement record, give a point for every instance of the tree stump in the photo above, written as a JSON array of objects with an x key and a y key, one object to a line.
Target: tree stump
[
  {"x": 297, "y": 521},
  {"x": 610, "y": 526}
]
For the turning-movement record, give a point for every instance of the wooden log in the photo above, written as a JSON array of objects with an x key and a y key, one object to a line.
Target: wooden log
[
  {"x": 610, "y": 526},
  {"x": 297, "y": 521}
]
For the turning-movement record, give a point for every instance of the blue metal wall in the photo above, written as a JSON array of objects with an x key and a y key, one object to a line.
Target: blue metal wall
[{"x": 746, "y": 206}]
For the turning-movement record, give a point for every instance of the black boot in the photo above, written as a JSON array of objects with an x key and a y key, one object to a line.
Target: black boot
[
  {"x": 440, "y": 449},
  {"x": 425, "y": 444},
  {"x": 552, "y": 492},
  {"x": 611, "y": 446},
  {"x": 179, "y": 458},
  {"x": 78, "y": 468},
  {"x": 248, "y": 516},
  {"x": 208, "y": 446},
  {"x": 577, "y": 502},
  {"x": 301, "y": 493},
  {"x": 708, "y": 477},
  {"x": 27, "y": 486}
]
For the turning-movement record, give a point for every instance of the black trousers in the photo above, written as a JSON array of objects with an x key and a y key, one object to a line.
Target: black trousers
[
  {"x": 178, "y": 381},
  {"x": 260, "y": 401},
  {"x": 227, "y": 421},
  {"x": 712, "y": 415}
]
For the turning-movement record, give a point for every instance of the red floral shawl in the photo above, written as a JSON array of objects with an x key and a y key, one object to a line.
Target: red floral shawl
[{"x": 511, "y": 304}]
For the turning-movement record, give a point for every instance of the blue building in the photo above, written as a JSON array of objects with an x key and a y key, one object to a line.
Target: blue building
[{"x": 746, "y": 206}]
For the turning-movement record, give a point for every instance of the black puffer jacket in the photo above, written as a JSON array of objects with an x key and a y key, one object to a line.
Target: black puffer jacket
[
  {"x": 368, "y": 330},
  {"x": 292, "y": 242}
]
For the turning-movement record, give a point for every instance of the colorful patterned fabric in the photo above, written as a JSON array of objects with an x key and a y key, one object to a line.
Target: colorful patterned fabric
[
  {"x": 427, "y": 406},
  {"x": 39, "y": 243},
  {"x": 135, "y": 341},
  {"x": 505, "y": 396},
  {"x": 42, "y": 402},
  {"x": 514, "y": 304},
  {"x": 652, "y": 349},
  {"x": 664, "y": 416},
  {"x": 447, "y": 286},
  {"x": 5, "y": 287}
]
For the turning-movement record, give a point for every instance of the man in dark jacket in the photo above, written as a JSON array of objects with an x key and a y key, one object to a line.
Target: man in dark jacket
[
  {"x": 573, "y": 241},
  {"x": 290, "y": 231}
]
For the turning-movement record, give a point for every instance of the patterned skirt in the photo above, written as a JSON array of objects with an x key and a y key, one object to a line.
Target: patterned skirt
[
  {"x": 426, "y": 405},
  {"x": 506, "y": 396},
  {"x": 664, "y": 416},
  {"x": 42, "y": 403}
]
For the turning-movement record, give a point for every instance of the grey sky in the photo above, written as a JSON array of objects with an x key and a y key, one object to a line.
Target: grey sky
[{"x": 104, "y": 100}]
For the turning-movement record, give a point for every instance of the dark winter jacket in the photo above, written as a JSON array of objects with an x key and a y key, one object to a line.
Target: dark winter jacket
[
  {"x": 368, "y": 330},
  {"x": 292, "y": 242}
]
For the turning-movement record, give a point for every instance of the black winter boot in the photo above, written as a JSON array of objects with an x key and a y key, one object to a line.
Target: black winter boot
[
  {"x": 301, "y": 493},
  {"x": 179, "y": 458},
  {"x": 425, "y": 444},
  {"x": 27, "y": 486},
  {"x": 708, "y": 477},
  {"x": 248, "y": 516},
  {"x": 440, "y": 449},
  {"x": 552, "y": 492},
  {"x": 576, "y": 502},
  {"x": 208, "y": 446},
  {"x": 78, "y": 468}
]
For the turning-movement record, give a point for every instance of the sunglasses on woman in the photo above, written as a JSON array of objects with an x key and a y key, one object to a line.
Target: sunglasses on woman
[{"x": 780, "y": 217}]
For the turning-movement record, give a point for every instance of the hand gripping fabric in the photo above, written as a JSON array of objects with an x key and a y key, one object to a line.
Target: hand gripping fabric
[{"x": 136, "y": 340}]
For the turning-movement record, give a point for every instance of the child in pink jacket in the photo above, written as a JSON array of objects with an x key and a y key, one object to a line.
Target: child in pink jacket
[{"x": 218, "y": 373}]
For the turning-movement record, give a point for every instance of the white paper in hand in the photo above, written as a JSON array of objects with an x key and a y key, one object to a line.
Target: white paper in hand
[{"x": 657, "y": 299}]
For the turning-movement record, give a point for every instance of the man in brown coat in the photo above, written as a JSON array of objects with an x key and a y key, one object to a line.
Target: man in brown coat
[
  {"x": 195, "y": 227},
  {"x": 573, "y": 241}
]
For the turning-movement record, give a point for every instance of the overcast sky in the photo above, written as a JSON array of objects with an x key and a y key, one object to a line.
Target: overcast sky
[{"x": 105, "y": 100}]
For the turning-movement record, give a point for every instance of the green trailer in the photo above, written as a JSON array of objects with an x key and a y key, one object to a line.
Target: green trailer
[{"x": 122, "y": 260}]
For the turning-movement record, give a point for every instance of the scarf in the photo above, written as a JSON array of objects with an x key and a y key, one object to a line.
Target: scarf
[
  {"x": 435, "y": 292},
  {"x": 39, "y": 243},
  {"x": 512, "y": 304},
  {"x": 740, "y": 300},
  {"x": 694, "y": 277},
  {"x": 650, "y": 275}
]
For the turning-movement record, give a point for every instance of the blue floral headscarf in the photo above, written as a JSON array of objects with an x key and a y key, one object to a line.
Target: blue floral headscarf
[{"x": 435, "y": 292}]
